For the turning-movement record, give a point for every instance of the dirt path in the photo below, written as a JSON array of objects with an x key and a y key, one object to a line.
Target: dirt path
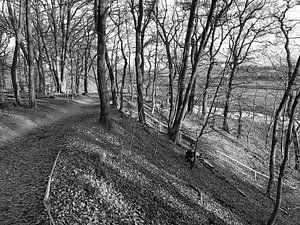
[{"x": 26, "y": 162}]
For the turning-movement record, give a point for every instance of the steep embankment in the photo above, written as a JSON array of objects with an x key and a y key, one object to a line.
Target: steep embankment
[{"x": 131, "y": 175}]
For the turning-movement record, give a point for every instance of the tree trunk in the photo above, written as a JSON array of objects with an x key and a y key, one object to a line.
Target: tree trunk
[
  {"x": 86, "y": 60},
  {"x": 2, "y": 97},
  {"x": 296, "y": 148},
  {"x": 116, "y": 75},
  {"x": 41, "y": 75},
  {"x": 225, "y": 126},
  {"x": 155, "y": 70},
  {"x": 149, "y": 76},
  {"x": 14, "y": 77},
  {"x": 72, "y": 77},
  {"x": 40, "y": 53},
  {"x": 112, "y": 81},
  {"x": 284, "y": 161},
  {"x": 191, "y": 102},
  {"x": 77, "y": 75},
  {"x": 138, "y": 63},
  {"x": 130, "y": 90},
  {"x": 123, "y": 82},
  {"x": 275, "y": 124},
  {"x": 184, "y": 93},
  {"x": 104, "y": 119},
  {"x": 124, "y": 70},
  {"x": 174, "y": 130},
  {"x": 171, "y": 80},
  {"x": 64, "y": 10},
  {"x": 205, "y": 92},
  {"x": 86, "y": 71},
  {"x": 139, "y": 82},
  {"x": 32, "y": 100},
  {"x": 239, "y": 130}
]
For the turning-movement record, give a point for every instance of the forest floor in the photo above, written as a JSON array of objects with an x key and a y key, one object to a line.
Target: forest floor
[
  {"x": 128, "y": 175},
  {"x": 29, "y": 142}
]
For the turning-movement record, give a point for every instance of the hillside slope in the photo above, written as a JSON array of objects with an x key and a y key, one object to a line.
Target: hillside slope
[{"x": 131, "y": 175}]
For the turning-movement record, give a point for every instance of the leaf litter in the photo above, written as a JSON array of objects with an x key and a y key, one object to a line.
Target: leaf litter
[{"x": 99, "y": 179}]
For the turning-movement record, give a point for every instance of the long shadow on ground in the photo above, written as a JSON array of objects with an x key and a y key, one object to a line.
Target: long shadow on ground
[{"x": 114, "y": 177}]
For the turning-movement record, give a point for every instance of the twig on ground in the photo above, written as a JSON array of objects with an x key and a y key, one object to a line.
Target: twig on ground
[{"x": 46, "y": 200}]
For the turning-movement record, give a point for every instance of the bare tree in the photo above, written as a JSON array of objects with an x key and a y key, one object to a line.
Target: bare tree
[
  {"x": 184, "y": 92},
  {"x": 17, "y": 25},
  {"x": 119, "y": 21},
  {"x": 4, "y": 40},
  {"x": 89, "y": 35},
  {"x": 112, "y": 80},
  {"x": 169, "y": 26},
  {"x": 287, "y": 143},
  {"x": 141, "y": 21},
  {"x": 100, "y": 24},
  {"x": 218, "y": 35},
  {"x": 65, "y": 23},
  {"x": 241, "y": 40},
  {"x": 32, "y": 100},
  {"x": 38, "y": 53},
  {"x": 286, "y": 101}
]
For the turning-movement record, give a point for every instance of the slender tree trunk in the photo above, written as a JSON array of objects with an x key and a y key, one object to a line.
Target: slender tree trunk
[
  {"x": 64, "y": 9},
  {"x": 19, "y": 28},
  {"x": 149, "y": 76},
  {"x": 56, "y": 58},
  {"x": 2, "y": 80},
  {"x": 71, "y": 76},
  {"x": 51, "y": 63},
  {"x": 205, "y": 92},
  {"x": 191, "y": 102},
  {"x": 129, "y": 62},
  {"x": 212, "y": 54},
  {"x": 124, "y": 70},
  {"x": 155, "y": 70},
  {"x": 41, "y": 74},
  {"x": 104, "y": 119},
  {"x": 206, "y": 121},
  {"x": 284, "y": 162},
  {"x": 296, "y": 148},
  {"x": 153, "y": 94},
  {"x": 40, "y": 53},
  {"x": 225, "y": 126},
  {"x": 86, "y": 70},
  {"x": 275, "y": 124},
  {"x": 32, "y": 101},
  {"x": 174, "y": 130},
  {"x": 112, "y": 81},
  {"x": 138, "y": 64},
  {"x": 2, "y": 73},
  {"x": 239, "y": 130},
  {"x": 116, "y": 74},
  {"x": 123, "y": 82},
  {"x": 142, "y": 58},
  {"x": 139, "y": 82},
  {"x": 77, "y": 75},
  {"x": 171, "y": 80},
  {"x": 184, "y": 93}
]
